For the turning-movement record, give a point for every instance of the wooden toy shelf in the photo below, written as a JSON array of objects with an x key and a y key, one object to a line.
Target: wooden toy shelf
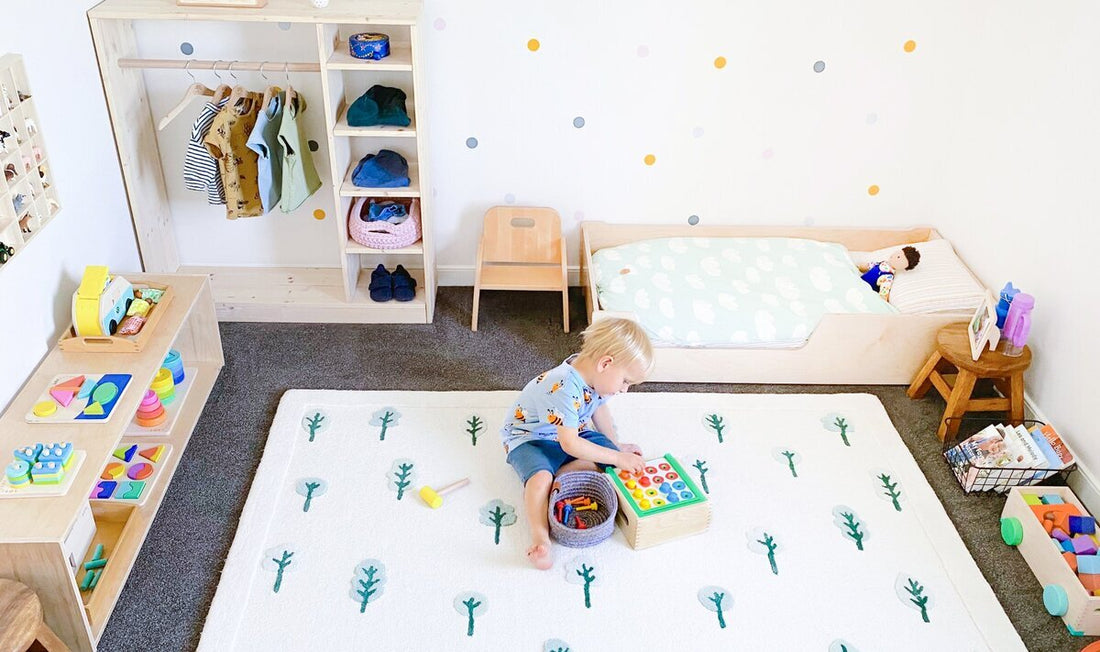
[
  {"x": 334, "y": 290},
  {"x": 32, "y": 530}
]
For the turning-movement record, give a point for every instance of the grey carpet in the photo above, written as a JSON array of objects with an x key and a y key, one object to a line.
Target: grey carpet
[{"x": 173, "y": 581}]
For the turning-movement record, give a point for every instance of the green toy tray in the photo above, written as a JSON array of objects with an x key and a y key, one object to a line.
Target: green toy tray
[{"x": 697, "y": 496}]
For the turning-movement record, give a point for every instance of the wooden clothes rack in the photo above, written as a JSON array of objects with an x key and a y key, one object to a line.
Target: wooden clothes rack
[{"x": 335, "y": 292}]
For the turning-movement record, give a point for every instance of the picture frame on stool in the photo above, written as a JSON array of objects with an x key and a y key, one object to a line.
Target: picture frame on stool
[{"x": 982, "y": 329}]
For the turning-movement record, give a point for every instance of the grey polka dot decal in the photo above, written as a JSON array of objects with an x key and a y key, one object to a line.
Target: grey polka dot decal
[
  {"x": 809, "y": 221},
  {"x": 313, "y": 146},
  {"x": 693, "y": 220},
  {"x": 471, "y": 142},
  {"x": 819, "y": 66},
  {"x": 578, "y": 216},
  {"x": 578, "y": 122},
  {"x": 187, "y": 48},
  {"x": 509, "y": 198},
  {"x": 284, "y": 26}
]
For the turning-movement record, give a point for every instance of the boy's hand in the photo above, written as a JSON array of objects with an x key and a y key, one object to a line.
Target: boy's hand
[
  {"x": 631, "y": 448},
  {"x": 629, "y": 462}
]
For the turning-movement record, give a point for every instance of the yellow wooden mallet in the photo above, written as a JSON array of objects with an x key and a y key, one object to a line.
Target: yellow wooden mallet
[{"x": 434, "y": 499}]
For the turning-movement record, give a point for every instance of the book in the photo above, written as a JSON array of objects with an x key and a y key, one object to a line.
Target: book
[{"x": 1055, "y": 451}]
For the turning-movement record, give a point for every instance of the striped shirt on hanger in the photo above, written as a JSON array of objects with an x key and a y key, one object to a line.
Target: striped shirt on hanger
[{"x": 200, "y": 169}]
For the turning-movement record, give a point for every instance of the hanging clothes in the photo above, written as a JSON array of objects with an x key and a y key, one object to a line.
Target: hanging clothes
[
  {"x": 200, "y": 168},
  {"x": 227, "y": 142},
  {"x": 264, "y": 140},
  {"x": 300, "y": 178}
]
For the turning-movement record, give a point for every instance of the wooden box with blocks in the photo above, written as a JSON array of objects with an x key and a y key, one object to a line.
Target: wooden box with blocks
[{"x": 660, "y": 504}]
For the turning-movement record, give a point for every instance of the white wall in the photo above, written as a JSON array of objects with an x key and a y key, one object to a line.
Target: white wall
[{"x": 93, "y": 227}]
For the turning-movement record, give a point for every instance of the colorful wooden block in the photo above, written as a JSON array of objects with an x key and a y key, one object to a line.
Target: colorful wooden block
[
  {"x": 1052, "y": 499},
  {"x": 1088, "y": 580},
  {"x": 1059, "y": 533},
  {"x": 153, "y": 454},
  {"x": 104, "y": 489},
  {"x": 86, "y": 388},
  {"x": 131, "y": 490},
  {"x": 18, "y": 473},
  {"x": 1032, "y": 499},
  {"x": 1048, "y": 525},
  {"x": 1082, "y": 525},
  {"x": 28, "y": 454},
  {"x": 94, "y": 409},
  {"x": 60, "y": 453},
  {"x": 126, "y": 453},
  {"x": 1084, "y": 545},
  {"x": 44, "y": 409},
  {"x": 113, "y": 471},
  {"x": 63, "y": 396},
  {"x": 139, "y": 471},
  {"x": 46, "y": 473},
  {"x": 1088, "y": 564},
  {"x": 1067, "y": 546}
]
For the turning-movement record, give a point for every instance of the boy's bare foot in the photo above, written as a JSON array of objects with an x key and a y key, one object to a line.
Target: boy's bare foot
[{"x": 539, "y": 554}]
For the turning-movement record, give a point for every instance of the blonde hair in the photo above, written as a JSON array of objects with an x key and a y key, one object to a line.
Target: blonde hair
[{"x": 622, "y": 339}]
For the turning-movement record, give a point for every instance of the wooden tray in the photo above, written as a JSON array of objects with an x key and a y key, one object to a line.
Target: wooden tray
[{"x": 70, "y": 341}]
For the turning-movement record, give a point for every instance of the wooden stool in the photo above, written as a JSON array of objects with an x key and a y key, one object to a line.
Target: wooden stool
[
  {"x": 952, "y": 355},
  {"x": 21, "y": 622}
]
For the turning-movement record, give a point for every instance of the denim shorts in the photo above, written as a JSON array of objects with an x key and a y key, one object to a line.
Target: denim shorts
[{"x": 530, "y": 457}]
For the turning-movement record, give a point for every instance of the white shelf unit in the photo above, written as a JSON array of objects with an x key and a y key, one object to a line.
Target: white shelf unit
[
  {"x": 336, "y": 291},
  {"x": 28, "y": 197}
]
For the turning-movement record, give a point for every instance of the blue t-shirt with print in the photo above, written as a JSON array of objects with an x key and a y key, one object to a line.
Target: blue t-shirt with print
[{"x": 558, "y": 397}]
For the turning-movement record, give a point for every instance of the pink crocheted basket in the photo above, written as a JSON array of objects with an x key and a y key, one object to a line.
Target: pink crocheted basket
[{"x": 383, "y": 235}]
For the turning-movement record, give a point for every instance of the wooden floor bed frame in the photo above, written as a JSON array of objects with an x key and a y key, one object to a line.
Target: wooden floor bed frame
[{"x": 844, "y": 349}]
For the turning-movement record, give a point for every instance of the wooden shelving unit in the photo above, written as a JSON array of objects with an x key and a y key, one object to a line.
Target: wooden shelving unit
[
  {"x": 28, "y": 197},
  {"x": 32, "y": 529},
  {"x": 333, "y": 290}
]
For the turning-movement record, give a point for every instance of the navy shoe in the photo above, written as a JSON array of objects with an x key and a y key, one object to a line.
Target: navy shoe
[
  {"x": 381, "y": 284},
  {"x": 404, "y": 285}
]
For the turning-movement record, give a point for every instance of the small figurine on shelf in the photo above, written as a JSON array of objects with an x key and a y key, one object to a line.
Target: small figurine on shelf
[
  {"x": 880, "y": 275},
  {"x": 6, "y": 253}
]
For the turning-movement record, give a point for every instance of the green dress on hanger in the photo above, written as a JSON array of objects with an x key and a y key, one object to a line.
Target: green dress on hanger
[{"x": 300, "y": 178}]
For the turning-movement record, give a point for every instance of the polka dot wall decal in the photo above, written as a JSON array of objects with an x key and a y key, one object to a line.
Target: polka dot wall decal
[
  {"x": 578, "y": 122},
  {"x": 693, "y": 220},
  {"x": 809, "y": 221},
  {"x": 509, "y": 198},
  {"x": 284, "y": 26},
  {"x": 318, "y": 214},
  {"x": 697, "y": 132},
  {"x": 643, "y": 51},
  {"x": 650, "y": 159},
  {"x": 720, "y": 63},
  {"x": 819, "y": 66},
  {"x": 872, "y": 118},
  {"x": 533, "y": 45},
  {"x": 187, "y": 48},
  {"x": 440, "y": 24},
  {"x": 471, "y": 142},
  {"x": 313, "y": 146},
  {"x": 767, "y": 154},
  {"x": 578, "y": 216},
  {"x": 909, "y": 46},
  {"x": 872, "y": 190}
]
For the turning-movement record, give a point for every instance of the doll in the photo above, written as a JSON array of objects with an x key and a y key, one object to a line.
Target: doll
[{"x": 880, "y": 275}]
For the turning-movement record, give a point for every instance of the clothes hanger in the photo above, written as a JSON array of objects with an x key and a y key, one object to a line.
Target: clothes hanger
[
  {"x": 269, "y": 92},
  {"x": 239, "y": 91},
  {"x": 291, "y": 94},
  {"x": 194, "y": 90},
  {"x": 223, "y": 90}
]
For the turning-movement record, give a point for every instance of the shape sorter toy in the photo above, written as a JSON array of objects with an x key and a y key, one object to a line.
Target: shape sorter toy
[
  {"x": 73, "y": 398},
  {"x": 1057, "y": 538},
  {"x": 131, "y": 471},
  {"x": 40, "y": 470},
  {"x": 660, "y": 504}
]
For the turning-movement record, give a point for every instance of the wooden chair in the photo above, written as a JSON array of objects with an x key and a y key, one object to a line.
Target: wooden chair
[
  {"x": 522, "y": 249},
  {"x": 21, "y": 623}
]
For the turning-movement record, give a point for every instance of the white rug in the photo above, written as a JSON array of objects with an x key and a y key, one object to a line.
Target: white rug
[{"x": 364, "y": 570}]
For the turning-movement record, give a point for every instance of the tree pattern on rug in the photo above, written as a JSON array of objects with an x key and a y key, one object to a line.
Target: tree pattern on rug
[
  {"x": 497, "y": 513},
  {"x": 788, "y": 456},
  {"x": 401, "y": 475},
  {"x": 582, "y": 570},
  {"x": 474, "y": 425},
  {"x": 314, "y": 423},
  {"x": 310, "y": 488},
  {"x": 279, "y": 559},
  {"x": 385, "y": 419},
  {"x": 555, "y": 645},
  {"x": 368, "y": 582},
  {"x": 716, "y": 423},
  {"x": 701, "y": 466},
  {"x": 834, "y": 422},
  {"x": 889, "y": 489},
  {"x": 470, "y": 604},
  {"x": 716, "y": 599},
  {"x": 840, "y": 645},
  {"x": 764, "y": 543},
  {"x": 913, "y": 594},
  {"x": 850, "y": 525}
]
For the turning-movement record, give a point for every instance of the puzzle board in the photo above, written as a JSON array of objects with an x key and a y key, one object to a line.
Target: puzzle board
[
  {"x": 661, "y": 486},
  {"x": 80, "y": 400},
  {"x": 131, "y": 481},
  {"x": 44, "y": 490}
]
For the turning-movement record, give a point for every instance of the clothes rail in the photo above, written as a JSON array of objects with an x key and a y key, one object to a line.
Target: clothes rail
[{"x": 221, "y": 65}]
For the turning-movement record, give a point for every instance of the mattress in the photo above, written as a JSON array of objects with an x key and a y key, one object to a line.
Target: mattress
[{"x": 731, "y": 292}]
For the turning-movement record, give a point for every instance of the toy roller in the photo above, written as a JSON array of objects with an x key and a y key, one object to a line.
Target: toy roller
[{"x": 434, "y": 499}]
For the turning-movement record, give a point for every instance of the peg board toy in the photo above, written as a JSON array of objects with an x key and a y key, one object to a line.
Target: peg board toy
[
  {"x": 171, "y": 411},
  {"x": 74, "y": 398},
  {"x": 660, "y": 504},
  {"x": 26, "y": 475},
  {"x": 130, "y": 474}
]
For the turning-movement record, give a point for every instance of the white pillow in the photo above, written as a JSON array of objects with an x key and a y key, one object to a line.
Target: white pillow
[{"x": 939, "y": 283}]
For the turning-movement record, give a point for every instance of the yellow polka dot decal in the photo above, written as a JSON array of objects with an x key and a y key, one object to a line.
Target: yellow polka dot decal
[
  {"x": 873, "y": 190},
  {"x": 720, "y": 63},
  {"x": 533, "y": 44},
  {"x": 909, "y": 46},
  {"x": 650, "y": 159},
  {"x": 318, "y": 214}
]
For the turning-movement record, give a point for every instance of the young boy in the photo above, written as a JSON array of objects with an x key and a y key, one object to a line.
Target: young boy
[{"x": 560, "y": 422}]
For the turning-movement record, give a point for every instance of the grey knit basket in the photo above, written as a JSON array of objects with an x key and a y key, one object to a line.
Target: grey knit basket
[{"x": 600, "y": 521}]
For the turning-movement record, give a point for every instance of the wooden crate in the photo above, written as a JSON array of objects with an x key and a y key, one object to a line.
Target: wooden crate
[
  {"x": 1046, "y": 561},
  {"x": 70, "y": 341},
  {"x": 646, "y": 529}
]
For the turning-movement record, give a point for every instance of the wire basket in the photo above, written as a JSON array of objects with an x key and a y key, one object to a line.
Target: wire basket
[
  {"x": 976, "y": 478},
  {"x": 599, "y": 522}
]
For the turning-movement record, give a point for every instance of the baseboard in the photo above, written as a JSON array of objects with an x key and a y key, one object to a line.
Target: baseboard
[
  {"x": 1082, "y": 480},
  {"x": 463, "y": 275}
]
